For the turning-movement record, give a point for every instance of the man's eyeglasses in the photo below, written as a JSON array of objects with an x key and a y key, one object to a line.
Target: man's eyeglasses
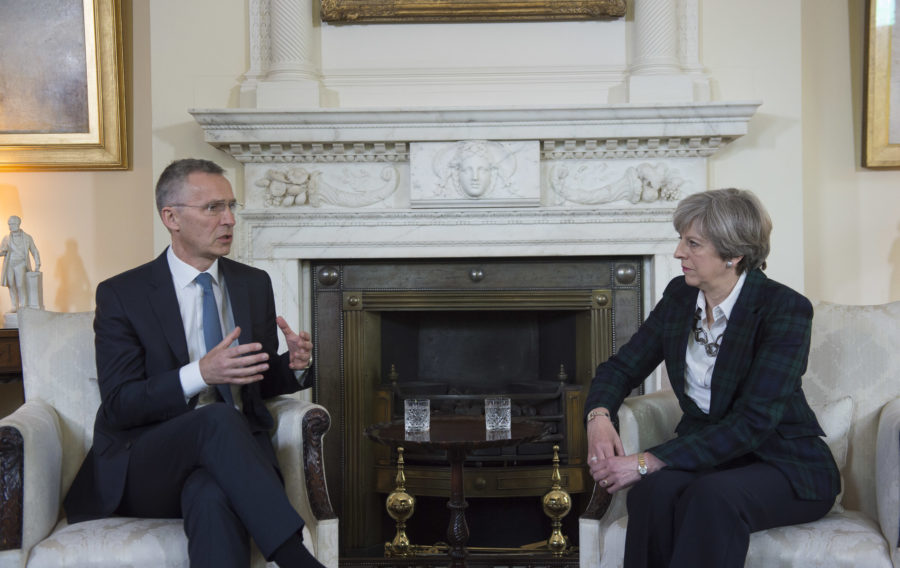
[{"x": 213, "y": 208}]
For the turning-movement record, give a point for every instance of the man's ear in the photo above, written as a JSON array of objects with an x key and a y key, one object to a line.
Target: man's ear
[{"x": 170, "y": 218}]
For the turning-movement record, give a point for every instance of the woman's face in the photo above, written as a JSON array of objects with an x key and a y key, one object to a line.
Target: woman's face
[
  {"x": 702, "y": 266},
  {"x": 475, "y": 175}
]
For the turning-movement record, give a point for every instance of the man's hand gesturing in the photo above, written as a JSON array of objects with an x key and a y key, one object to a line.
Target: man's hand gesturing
[
  {"x": 299, "y": 345},
  {"x": 238, "y": 365}
]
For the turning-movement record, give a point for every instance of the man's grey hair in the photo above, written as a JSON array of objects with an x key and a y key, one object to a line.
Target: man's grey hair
[
  {"x": 735, "y": 222},
  {"x": 171, "y": 181}
]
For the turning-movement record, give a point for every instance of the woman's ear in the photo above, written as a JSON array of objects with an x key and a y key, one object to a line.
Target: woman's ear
[{"x": 732, "y": 262}]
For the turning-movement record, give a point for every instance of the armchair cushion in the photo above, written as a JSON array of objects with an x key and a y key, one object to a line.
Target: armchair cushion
[
  {"x": 121, "y": 541},
  {"x": 58, "y": 368},
  {"x": 834, "y": 418},
  {"x": 839, "y": 540}
]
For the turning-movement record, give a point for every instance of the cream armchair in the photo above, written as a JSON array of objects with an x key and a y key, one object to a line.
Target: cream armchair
[
  {"x": 853, "y": 384},
  {"x": 43, "y": 443}
]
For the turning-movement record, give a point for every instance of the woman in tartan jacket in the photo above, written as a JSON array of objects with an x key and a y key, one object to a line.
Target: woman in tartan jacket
[{"x": 748, "y": 454}]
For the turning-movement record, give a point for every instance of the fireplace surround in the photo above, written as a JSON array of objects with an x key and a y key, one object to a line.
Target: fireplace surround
[{"x": 324, "y": 188}]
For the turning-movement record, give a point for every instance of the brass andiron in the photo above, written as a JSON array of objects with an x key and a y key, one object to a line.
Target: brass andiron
[
  {"x": 400, "y": 506},
  {"x": 557, "y": 503}
]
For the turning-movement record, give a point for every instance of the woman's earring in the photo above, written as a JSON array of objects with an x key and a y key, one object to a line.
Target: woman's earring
[{"x": 728, "y": 264}]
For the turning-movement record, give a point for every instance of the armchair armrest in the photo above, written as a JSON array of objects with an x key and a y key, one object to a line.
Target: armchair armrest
[
  {"x": 31, "y": 469},
  {"x": 644, "y": 421},
  {"x": 648, "y": 420},
  {"x": 887, "y": 475},
  {"x": 298, "y": 441}
]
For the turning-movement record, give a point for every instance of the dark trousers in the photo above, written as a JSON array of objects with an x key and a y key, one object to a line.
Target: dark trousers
[
  {"x": 684, "y": 519},
  {"x": 207, "y": 467}
]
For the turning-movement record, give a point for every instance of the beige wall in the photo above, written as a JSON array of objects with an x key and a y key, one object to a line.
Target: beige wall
[
  {"x": 837, "y": 224},
  {"x": 852, "y": 235},
  {"x": 90, "y": 225},
  {"x": 198, "y": 55},
  {"x": 752, "y": 54}
]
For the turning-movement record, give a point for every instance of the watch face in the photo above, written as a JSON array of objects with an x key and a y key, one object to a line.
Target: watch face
[{"x": 642, "y": 469}]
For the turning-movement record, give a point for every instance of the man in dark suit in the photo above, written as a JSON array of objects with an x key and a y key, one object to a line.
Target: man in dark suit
[{"x": 186, "y": 349}]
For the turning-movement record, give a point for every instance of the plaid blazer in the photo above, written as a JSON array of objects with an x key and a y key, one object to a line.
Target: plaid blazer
[{"x": 757, "y": 405}]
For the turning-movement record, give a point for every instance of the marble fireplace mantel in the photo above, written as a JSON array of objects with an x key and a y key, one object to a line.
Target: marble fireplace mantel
[
  {"x": 360, "y": 160},
  {"x": 372, "y": 183},
  {"x": 685, "y": 130}
]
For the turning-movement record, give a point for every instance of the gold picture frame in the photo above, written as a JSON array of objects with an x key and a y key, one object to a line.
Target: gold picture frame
[
  {"x": 386, "y": 11},
  {"x": 882, "y": 107},
  {"x": 32, "y": 135}
]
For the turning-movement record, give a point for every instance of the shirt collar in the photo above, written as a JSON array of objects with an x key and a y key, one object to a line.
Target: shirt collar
[
  {"x": 184, "y": 274},
  {"x": 723, "y": 309}
]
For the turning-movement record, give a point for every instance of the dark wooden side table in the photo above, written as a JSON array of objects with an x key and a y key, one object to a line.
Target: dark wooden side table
[
  {"x": 458, "y": 436},
  {"x": 10, "y": 359}
]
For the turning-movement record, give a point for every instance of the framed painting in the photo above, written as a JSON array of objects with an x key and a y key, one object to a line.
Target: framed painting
[
  {"x": 881, "y": 140},
  {"x": 62, "y": 102},
  {"x": 374, "y": 11}
]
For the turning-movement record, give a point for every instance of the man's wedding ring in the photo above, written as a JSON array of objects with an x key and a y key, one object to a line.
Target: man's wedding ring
[
  {"x": 603, "y": 482},
  {"x": 593, "y": 459}
]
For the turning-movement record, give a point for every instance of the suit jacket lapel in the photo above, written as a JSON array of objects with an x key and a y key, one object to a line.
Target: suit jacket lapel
[
  {"x": 164, "y": 303},
  {"x": 736, "y": 355},
  {"x": 682, "y": 322},
  {"x": 239, "y": 298}
]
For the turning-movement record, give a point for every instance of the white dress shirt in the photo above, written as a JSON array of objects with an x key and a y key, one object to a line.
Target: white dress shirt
[
  {"x": 190, "y": 303},
  {"x": 699, "y": 365}
]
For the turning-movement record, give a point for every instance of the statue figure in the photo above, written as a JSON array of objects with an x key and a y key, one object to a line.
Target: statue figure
[{"x": 17, "y": 248}]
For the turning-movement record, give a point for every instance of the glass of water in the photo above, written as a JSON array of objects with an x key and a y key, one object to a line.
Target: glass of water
[
  {"x": 497, "y": 413},
  {"x": 417, "y": 414}
]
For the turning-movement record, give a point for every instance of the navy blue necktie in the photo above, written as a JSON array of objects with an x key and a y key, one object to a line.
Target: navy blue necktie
[{"x": 212, "y": 328}]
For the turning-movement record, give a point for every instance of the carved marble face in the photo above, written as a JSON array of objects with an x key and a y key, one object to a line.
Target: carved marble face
[
  {"x": 474, "y": 173},
  {"x": 14, "y": 223}
]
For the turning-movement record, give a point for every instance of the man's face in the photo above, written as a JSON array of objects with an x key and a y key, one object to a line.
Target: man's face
[{"x": 199, "y": 238}]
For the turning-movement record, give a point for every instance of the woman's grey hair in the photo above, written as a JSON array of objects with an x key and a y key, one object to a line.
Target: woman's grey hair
[
  {"x": 171, "y": 181},
  {"x": 733, "y": 220}
]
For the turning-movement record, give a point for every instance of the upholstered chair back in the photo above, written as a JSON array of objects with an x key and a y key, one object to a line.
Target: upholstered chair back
[
  {"x": 856, "y": 352},
  {"x": 59, "y": 368}
]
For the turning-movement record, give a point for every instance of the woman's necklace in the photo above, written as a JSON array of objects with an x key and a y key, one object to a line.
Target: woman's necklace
[{"x": 712, "y": 349}]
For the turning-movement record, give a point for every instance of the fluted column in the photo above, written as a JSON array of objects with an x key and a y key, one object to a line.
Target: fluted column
[
  {"x": 655, "y": 73},
  {"x": 655, "y": 37},
  {"x": 291, "y": 41},
  {"x": 288, "y": 53}
]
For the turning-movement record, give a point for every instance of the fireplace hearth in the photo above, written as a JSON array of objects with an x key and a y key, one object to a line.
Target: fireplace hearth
[{"x": 456, "y": 331}]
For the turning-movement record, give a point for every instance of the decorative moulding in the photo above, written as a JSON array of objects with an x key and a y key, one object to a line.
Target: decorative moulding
[
  {"x": 297, "y": 186},
  {"x": 475, "y": 173},
  {"x": 606, "y": 131}
]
